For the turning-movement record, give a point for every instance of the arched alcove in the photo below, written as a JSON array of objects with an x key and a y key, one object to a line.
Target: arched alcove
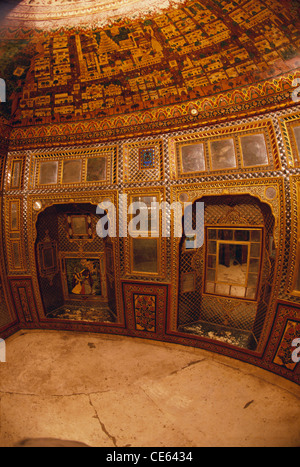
[
  {"x": 225, "y": 285},
  {"x": 74, "y": 265}
]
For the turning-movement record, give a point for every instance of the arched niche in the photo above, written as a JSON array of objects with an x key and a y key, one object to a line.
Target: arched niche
[
  {"x": 224, "y": 287},
  {"x": 226, "y": 200},
  {"x": 64, "y": 243},
  {"x": 74, "y": 265}
]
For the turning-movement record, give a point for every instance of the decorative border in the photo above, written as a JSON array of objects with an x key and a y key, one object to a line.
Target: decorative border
[
  {"x": 286, "y": 124},
  {"x": 14, "y": 236},
  {"x": 127, "y": 241},
  {"x": 128, "y": 162},
  {"x": 235, "y": 132},
  {"x": 10, "y": 168},
  {"x": 5, "y": 131},
  {"x": 84, "y": 154},
  {"x": 265, "y": 96},
  {"x": 160, "y": 291},
  {"x": 24, "y": 299},
  {"x": 294, "y": 257},
  {"x": 284, "y": 312}
]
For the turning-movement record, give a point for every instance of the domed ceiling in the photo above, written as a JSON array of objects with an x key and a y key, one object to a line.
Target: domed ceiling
[
  {"x": 74, "y": 60},
  {"x": 51, "y": 14}
]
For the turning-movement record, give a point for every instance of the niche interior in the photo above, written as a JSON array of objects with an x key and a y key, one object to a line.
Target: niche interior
[
  {"x": 225, "y": 286},
  {"x": 75, "y": 266}
]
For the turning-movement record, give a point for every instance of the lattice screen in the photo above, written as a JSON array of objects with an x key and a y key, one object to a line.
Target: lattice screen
[{"x": 143, "y": 162}]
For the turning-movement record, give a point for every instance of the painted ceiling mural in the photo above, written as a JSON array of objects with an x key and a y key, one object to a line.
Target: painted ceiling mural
[{"x": 187, "y": 51}]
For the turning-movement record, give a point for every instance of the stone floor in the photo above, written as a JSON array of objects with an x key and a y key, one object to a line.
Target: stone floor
[
  {"x": 83, "y": 313},
  {"x": 112, "y": 391},
  {"x": 243, "y": 339}
]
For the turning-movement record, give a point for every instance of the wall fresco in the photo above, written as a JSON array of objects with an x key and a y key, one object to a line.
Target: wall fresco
[{"x": 200, "y": 49}]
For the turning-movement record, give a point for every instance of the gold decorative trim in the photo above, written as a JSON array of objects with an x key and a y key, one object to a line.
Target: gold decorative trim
[
  {"x": 294, "y": 257},
  {"x": 160, "y": 194},
  {"x": 132, "y": 172},
  {"x": 14, "y": 180},
  {"x": 83, "y": 154},
  {"x": 13, "y": 235},
  {"x": 234, "y": 132},
  {"x": 287, "y": 124}
]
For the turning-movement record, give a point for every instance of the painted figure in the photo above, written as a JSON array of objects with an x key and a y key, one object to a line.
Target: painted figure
[{"x": 83, "y": 281}]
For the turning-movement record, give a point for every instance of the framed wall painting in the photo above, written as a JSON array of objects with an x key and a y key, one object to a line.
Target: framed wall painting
[
  {"x": 145, "y": 305},
  {"x": 82, "y": 278},
  {"x": 147, "y": 158},
  {"x": 79, "y": 227},
  {"x": 222, "y": 152},
  {"x": 296, "y": 132},
  {"x": 48, "y": 172},
  {"x": 254, "y": 150},
  {"x": 145, "y": 312},
  {"x": 144, "y": 255},
  {"x": 14, "y": 216},
  {"x": 147, "y": 217},
  {"x": 16, "y": 174},
  {"x": 96, "y": 170},
  {"x": 192, "y": 158},
  {"x": 72, "y": 171},
  {"x": 143, "y": 161},
  {"x": 16, "y": 254},
  {"x": 188, "y": 282}
]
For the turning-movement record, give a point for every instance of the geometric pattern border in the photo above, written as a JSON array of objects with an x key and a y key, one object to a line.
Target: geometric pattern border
[
  {"x": 145, "y": 307},
  {"x": 285, "y": 329}
]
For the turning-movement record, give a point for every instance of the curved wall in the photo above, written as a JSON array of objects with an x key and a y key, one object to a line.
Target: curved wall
[
  {"x": 38, "y": 177},
  {"x": 8, "y": 319}
]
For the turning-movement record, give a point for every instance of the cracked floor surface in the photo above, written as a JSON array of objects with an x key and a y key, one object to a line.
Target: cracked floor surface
[{"x": 113, "y": 391}]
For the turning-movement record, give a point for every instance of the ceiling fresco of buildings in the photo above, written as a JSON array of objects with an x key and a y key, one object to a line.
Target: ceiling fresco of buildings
[{"x": 185, "y": 52}]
